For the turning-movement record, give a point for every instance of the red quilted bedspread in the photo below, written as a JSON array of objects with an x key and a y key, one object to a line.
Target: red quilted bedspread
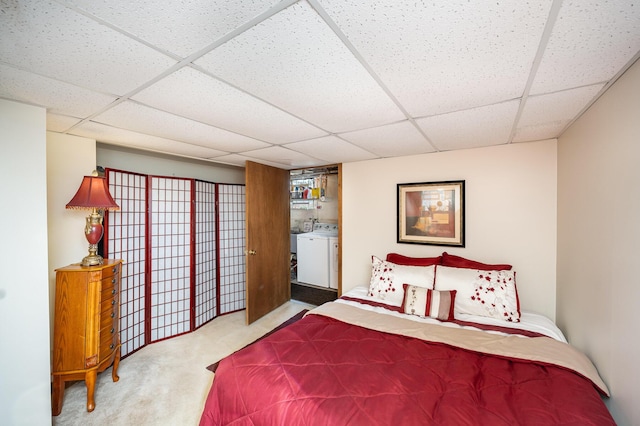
[{"x": 323, "y": 371}]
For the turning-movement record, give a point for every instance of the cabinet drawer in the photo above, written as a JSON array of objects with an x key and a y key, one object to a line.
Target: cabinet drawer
[
  {"x": 108, "y": 340},
  {"x": 110, "y": 302},
  {"x": 111, "y": 271},
  {"x": 108, "y": 335},
  {"x": 109, "y": 315},
  {"x": 109, "y": 290}
]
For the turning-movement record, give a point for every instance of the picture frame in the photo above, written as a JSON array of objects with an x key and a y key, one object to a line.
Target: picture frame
[{"x": 432, "y": 213}]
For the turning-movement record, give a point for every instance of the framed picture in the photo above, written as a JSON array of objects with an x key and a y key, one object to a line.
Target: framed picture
[{"x": 431, "y": 213}]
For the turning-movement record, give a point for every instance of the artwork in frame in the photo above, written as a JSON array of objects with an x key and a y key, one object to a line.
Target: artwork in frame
[{"x": 431, "y": 213}]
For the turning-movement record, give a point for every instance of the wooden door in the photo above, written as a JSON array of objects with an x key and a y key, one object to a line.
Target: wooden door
[{"x": 268, "y": 260}]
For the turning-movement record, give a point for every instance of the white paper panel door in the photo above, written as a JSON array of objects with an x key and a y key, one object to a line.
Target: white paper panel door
[
  {"x": 170, "y": 224},
  {"x": 205, "y": 253},
  {"x": 125, "y": 239},
  {"x": 232, "y": 243}
]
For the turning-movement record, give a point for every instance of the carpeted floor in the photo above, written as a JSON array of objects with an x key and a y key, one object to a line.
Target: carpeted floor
[{"x": 166, "y": 383}]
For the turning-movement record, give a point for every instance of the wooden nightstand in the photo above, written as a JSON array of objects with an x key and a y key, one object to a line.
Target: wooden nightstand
[{"x": 86, "y": 337}]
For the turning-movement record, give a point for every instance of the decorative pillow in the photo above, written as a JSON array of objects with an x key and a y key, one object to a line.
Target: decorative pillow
[
  {"x": 461, "y": 262},
  {"x": 479, "y": 292},
  {"x": 387, "y": 279},
  {"x": 428, "y": 303},
  {"x": 378, "y": 275},
  {"x": 399, "y": 259}
]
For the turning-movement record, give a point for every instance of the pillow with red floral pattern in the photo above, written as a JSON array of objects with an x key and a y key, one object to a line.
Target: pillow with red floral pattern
[
  {"x": 486, "y": 293},
  {"x": 387, "y": 279}
]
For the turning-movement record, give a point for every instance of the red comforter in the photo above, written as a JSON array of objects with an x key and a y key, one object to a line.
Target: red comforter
[{"x": 323, "y": 371}]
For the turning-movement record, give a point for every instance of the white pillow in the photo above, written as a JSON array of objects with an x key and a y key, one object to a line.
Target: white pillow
[
  {"x": 387, "y": 279},
  {"x": 486, "y": 293}
]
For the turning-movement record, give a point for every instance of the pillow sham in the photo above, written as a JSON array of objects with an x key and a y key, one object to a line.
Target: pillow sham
[
  {"x": 460, "y": 262},
  {"x": 399, "y": 259},
  {"x": 481, "y": 292},
  {"x": 425, "y": 302},
  {"x": 387, "y": 279}
]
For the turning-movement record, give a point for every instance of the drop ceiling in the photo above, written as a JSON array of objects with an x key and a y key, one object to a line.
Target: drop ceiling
[{"x": 297, "y": 84}]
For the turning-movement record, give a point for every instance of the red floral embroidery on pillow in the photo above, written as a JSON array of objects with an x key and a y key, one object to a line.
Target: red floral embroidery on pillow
[{"x": 491, "y": 289}]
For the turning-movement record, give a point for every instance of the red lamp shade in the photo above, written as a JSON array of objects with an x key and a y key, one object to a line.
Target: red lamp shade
[{"x": 93, "y": 194}]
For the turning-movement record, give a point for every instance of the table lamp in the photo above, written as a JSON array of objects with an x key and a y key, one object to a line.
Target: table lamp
[{"x": 93, "y": 194}]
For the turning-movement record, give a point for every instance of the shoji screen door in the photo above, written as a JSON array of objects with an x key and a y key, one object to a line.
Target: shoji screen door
[
  {"x": 126, "y": 238},
  {"x": 182, "y": 242},
  {"x": 232, "y": 244},
  {"x": 170, "y": 247},
  {"x": 206, "y": 272}
]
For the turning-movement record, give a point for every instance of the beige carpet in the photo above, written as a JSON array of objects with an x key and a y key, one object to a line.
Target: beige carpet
[{"x": 166, "y": 383}]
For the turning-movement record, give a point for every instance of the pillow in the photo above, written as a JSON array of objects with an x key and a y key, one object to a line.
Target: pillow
[
  {"x": 486, "y": 293},
  {"x": 461, "y": 262},
  {"x": 387, "y": 279},
  {"x": 399, "y": 259},
  {"x": 428, "y": 303}
]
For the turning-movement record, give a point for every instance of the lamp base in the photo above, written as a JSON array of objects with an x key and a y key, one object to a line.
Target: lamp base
[
  {"x": 93, "y": 231},
  {"x": 92, "y": 260}
]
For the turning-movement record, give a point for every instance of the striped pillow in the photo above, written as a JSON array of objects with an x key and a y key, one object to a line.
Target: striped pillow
[{"x": 425, "y": 302}]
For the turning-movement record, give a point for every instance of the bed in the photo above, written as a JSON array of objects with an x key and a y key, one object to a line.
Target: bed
[{"x": 367, "y": 359}]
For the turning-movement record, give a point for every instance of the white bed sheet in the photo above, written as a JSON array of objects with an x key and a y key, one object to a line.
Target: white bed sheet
[{"x": 529, "y": 321}]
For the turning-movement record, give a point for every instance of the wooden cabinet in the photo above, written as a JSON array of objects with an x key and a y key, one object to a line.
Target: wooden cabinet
[{"x": 86, "y": 338}]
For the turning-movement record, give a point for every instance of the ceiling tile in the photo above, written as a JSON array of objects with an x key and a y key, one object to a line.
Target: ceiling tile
[
  {"x": 52, "y": 40},
  {"x": 140, "y": 118},
  {"x": 391, "y": 140},
  {"x": 294, "y": 61},
  {"x": 195, "y": 95},
  {"x": 545, "y": 116},
  {"x": 115, "y": 136},
  {"x": 60, "y": 123},
  {"x": 591, "y": 41},
  {"x": 283, "y": 157},
  {"x": 181, "y": 27},
  {"x": 331, "y": 149},
  {"x": 56, "y": 96},
  {"x": 484, "y": 126},
  {"x": 438, "y": 57}
]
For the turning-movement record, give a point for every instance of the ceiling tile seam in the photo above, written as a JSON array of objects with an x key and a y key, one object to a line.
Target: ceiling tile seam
[
  {"x": 273, "y": 10},
  {"x": 159, "y": 151},
  {"x": 200, "y": 122},
  {"x": 222, "y": 80},
  {"x": 345, "y": 40},
  {"x": 118, "y": 30},
  {"x": 467, "y": 109},
  {"x": 608, "y": 84},
  {"x": 554, "y": 11},
  {"x": 189, "y": 59},
  {"x": 225, "y": 152},
  {"x": 247, "y": 154},
  {"x": 306, "y": 155},
  {"x": 339, "y": 136},
  {"x": 30, "y": 71},
  {"x": 569, "y": 89}
]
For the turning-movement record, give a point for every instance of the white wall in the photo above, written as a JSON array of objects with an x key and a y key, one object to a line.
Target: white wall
[
  {"x": 599, "y": 240},
  {"x": 510, "y": 212},
  {"x": 69, "y": 158},
  {"x": 25, "y": 392},
  {"x": 131, "y": 160}
]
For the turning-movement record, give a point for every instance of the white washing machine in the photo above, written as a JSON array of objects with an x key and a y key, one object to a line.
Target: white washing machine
[{"x": 315, "y": 256}]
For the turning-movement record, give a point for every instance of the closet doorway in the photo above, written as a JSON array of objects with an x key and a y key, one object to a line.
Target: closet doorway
[{"x": 316, "y": 203}]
